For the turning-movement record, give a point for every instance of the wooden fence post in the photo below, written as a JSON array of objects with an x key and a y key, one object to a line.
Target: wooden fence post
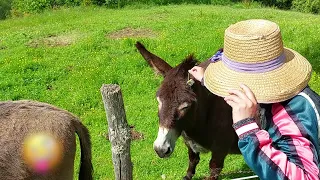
[{"x": 119, "y": 131}]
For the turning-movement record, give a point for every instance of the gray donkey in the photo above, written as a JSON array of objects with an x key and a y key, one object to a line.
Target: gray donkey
[{"x": 18, "y": 119}]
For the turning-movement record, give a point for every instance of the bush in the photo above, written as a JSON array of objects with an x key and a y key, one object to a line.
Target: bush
[
  {"x": 98, "y": 2},
  {"x": 31, "y": 6},
  {"x": 311, "y": 6},
  {"x": 5, "y": 7},
  {"x": 27, "y": 6},
  {"x": 282, "y": 4},
  {"x": 226, "y": 2},
  {"x": 308, "y": 6},
  {"x": 122, "y": 3},
  {"x": 66, "y": 2},
  {"x": 20, "y": 7}
]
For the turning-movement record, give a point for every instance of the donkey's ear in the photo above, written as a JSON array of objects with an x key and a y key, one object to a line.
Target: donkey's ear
[{"x": 155, "y": 62}]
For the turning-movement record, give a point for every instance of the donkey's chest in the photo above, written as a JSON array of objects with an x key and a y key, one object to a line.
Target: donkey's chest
[{"x": 196, "y": 147}]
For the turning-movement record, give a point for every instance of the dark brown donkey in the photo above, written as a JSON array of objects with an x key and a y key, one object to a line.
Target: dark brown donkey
[
  {"x": 203, "y": 119},
  {"x": 18, "y": 119}
]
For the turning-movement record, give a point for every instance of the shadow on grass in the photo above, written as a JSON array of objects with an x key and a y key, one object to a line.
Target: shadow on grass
[{"x": 244, "y": 171}]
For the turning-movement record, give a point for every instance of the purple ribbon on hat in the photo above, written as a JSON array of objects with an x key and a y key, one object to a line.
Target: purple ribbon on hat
[
  {"x": 249, "y": 67},
  {"x": 217, "y": 56}
]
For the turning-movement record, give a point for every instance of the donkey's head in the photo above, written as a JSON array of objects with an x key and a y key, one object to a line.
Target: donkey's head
[{"x": 176, "y": 98}]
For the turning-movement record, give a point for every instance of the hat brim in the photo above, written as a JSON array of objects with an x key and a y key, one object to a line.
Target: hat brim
[{"x": 274, "y": 86}]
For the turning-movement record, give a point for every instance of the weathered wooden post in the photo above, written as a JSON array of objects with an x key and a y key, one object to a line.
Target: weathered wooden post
[{"x": 119, "y": 131}]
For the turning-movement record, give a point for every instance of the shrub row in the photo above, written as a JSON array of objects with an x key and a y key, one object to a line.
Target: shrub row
[
  {"x": 5, "y": 7},
  {"x": 309, "y": 6},
  {"x": 17, "y": 7}
]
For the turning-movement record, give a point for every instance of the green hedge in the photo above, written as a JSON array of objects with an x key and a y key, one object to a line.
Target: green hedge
[
  {"x": 5, "y": 7},
  {"x": 19, "y": 7},
  {"x": 31, "y": 6},
  {"x": 26, "y": 6},
  {"x": 122, "y": 3},
  {"x": 282, "y": 4},
  {"x": 310, "y": 6}
]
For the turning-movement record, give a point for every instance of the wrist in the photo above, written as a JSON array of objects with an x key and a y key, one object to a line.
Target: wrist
[{"x": 245, "y": 127}]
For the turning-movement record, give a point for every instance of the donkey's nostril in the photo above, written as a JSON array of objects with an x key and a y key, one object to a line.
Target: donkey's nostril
[{"x": 168, "y": 151}]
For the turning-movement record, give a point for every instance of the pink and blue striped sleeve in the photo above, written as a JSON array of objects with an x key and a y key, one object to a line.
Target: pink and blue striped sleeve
[{"x": 281, "y": 159}]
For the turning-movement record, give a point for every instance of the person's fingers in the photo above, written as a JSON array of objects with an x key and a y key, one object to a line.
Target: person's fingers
[
  {"x": 193, "y": 70},
  {"x": 197, "y": 72},
  {"x": 249, "y": 93},
  {"x": 234, "y": 98},
  {"x": 238, "y": 93},
  {"x": 231, "y": 103}
]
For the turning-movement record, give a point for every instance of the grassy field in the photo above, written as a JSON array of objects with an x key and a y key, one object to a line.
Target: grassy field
[{"x": 63, "y": 57}]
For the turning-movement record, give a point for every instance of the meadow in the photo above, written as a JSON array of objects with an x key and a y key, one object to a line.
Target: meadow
[{"x": 63, "y": 57}]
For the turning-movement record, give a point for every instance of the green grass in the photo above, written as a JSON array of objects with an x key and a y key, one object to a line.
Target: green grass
[{"x": 70, "y": 76}]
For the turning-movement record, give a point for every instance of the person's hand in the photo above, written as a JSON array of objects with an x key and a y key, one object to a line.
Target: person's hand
[
  {"x": 243, "y": 103},
  {"x": 197, "y": 72}
]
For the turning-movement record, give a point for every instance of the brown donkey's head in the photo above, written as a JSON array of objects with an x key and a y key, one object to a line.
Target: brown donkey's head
[{"x": 175, "y": 97}]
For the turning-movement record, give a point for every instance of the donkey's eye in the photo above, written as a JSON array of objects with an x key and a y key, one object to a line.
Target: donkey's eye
[
  {"x": 182, "y": 109},
  {"x": 183, "y": 106}
]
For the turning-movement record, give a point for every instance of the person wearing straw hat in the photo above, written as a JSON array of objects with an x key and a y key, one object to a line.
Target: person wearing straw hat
[{"x": 275, "y": 113}]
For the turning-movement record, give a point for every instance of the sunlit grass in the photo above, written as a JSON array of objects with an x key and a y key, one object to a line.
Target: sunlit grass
[{"x": 70, "y": 75}]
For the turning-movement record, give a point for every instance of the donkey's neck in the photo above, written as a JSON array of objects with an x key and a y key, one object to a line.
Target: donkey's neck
[
  {"x": 206, "y": 101},
  {"x": 200, "y": 110}
]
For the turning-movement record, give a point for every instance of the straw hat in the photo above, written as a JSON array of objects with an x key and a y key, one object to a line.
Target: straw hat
[{"x": 254, "y": 55}]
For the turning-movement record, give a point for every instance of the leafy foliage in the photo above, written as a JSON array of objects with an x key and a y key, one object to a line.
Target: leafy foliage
[
  {"x": 31, "y": 6},
  {"x": 310, "y": 6},
  {"x": 282, "y": 4},
  {"x": 20, "y": 7},
  {"x": 5, "y": 7}
]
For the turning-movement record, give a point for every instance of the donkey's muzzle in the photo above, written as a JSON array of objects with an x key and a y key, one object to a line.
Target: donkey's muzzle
[{"x": 163, "y": 152}]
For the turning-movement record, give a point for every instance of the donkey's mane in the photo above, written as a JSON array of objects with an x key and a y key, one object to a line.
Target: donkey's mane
[{"x": 188, "y": 63}]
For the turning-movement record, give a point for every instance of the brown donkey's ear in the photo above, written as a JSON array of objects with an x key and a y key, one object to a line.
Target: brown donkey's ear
[{"x": 155, "y": 62}]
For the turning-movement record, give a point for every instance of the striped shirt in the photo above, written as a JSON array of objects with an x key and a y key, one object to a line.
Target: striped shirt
[{"x": 286, "y": 145}]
